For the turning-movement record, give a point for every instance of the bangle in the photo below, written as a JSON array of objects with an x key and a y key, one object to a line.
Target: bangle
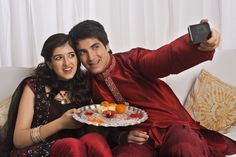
[{"x": 35, "y": 135}]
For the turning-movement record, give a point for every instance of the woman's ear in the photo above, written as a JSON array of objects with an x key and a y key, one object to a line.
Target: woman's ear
[{"x": 49, "y": 65}]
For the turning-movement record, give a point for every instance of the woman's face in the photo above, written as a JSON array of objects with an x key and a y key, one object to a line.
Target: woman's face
[{"x": 64, "y": 62}]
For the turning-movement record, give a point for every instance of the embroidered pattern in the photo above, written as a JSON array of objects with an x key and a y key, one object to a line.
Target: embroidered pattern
[
  {"x": 110, "y": 83},
  {"x": 212, "y": 102},
  {"x": 115, "y": 92}
]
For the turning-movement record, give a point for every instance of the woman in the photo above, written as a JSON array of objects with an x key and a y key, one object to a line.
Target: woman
[{"x": 40, "y": 119}]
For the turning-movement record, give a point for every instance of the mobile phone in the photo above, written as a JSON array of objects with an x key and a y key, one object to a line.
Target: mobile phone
[{"x": 199, "y": 32}]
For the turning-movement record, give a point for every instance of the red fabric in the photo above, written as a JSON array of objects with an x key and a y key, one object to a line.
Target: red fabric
[
  {"x": 136, "y": 74},
  {"x": 89, "y": 145},
  {"x": 179, "y": 141},
  {"x": 134, "y": 150},
  {"x": 68, "y": 147},
  {"x": 182, "y": 141}
]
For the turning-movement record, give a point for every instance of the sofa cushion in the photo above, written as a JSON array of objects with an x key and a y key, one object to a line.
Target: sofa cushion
[
  {"x": 4, "y": 106},
  {"x": 212, "y": 102}
]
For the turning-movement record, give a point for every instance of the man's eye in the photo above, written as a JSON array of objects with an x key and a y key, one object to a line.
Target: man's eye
[
  {"x": 81, "y": 53},
  {"x": 95, "y": 47}
]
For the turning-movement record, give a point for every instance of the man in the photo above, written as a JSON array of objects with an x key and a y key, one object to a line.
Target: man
[{"x": 132, "y": 78}]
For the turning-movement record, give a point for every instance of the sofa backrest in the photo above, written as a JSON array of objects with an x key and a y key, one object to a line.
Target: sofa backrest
[
  {"x": 222, "y": 66},
  {"x": 10, "y": 78}
]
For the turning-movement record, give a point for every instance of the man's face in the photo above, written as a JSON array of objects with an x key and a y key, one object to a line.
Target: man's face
[{"x": 93, "y": 55}]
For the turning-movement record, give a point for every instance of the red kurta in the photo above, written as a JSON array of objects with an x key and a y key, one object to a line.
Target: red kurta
[{"x": 136, "y": 75}]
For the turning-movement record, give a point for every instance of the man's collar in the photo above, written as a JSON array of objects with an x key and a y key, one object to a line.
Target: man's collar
[{"x": 108, "y": 69}]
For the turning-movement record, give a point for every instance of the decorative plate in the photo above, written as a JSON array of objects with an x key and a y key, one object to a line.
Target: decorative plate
[{"x": 90, "y": 115}]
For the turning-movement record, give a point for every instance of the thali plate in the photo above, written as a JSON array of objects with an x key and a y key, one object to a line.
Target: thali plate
[{"x": 90, "y": 115}]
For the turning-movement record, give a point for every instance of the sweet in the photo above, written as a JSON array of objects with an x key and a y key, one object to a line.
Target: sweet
[
  {"x": 105, "y": 103},
  {"x": 88, "y": 113},
  {"x": 108, "y": 113},
  {"x": 96, "y": 120},
  {"x": 120, "y": 108},
  {"x": 110, "y": 109},
  {"x": 135, "y": 115}
]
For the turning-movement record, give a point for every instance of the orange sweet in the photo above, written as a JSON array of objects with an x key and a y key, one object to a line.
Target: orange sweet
[
  {"x": 96, "y": 120},
  {"x": 105, "y": 103},
  {"x": 120, "y": 108}
]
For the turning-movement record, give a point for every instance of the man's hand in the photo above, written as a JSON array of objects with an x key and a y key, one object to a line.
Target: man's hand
[
  {"x": 211, "y": 43},
  {"x": 137, "y": 136}
]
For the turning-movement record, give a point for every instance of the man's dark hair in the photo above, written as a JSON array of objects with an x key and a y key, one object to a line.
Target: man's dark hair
[{"x": 88, "y": 29}]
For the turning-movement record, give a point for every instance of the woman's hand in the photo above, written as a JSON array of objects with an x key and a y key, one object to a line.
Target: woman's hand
[
  {"x": 211, "y": 43},
  {"x": 68, "y": 122},
  {"x": 137, "y": 136}
]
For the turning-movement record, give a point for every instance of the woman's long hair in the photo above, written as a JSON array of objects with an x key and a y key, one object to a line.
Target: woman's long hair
[{"x": 77, "y": 86}]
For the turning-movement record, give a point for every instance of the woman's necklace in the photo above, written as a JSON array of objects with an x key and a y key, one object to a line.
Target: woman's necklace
[{"x": 62, "y": 97}]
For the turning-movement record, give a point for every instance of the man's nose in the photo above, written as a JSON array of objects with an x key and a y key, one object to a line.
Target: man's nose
[{"x": 90, "y": 55}]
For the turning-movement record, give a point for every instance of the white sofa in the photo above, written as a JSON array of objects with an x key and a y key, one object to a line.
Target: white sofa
[
  {"x": 222, "y": 66},
  {"x": 10, "y": 78}
]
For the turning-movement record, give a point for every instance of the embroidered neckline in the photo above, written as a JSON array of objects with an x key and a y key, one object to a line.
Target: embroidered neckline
[
  {"x": 62, "y": 97},
  {"x": 106, "y": 76}
]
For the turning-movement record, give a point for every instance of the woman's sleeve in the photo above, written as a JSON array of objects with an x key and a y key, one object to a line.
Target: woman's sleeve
[{"x": 31, "y": 82}]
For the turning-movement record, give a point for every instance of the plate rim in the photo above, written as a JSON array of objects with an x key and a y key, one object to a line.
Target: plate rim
[{"x": 140, "y": 120}]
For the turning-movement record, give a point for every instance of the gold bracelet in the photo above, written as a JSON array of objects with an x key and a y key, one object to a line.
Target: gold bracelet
[
  {"x": 35, "y": 135},
  {"x": 39, "y": 135}
]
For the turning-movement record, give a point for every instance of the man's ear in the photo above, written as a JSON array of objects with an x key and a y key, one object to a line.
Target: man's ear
[
  {"x": 49, "y": 65},
  {"x": 108, "y": 47}
]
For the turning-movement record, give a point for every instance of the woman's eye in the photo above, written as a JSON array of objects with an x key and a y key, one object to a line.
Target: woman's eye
[
  {"x": 57, "y": 58},
  {"x": 71, "y": 55}
]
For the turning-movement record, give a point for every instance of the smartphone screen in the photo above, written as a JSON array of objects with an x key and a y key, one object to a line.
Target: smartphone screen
[{"x": 199, "y": 33}]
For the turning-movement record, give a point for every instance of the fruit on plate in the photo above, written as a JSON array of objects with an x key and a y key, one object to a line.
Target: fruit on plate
[{"x": 120, "y": 108}]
